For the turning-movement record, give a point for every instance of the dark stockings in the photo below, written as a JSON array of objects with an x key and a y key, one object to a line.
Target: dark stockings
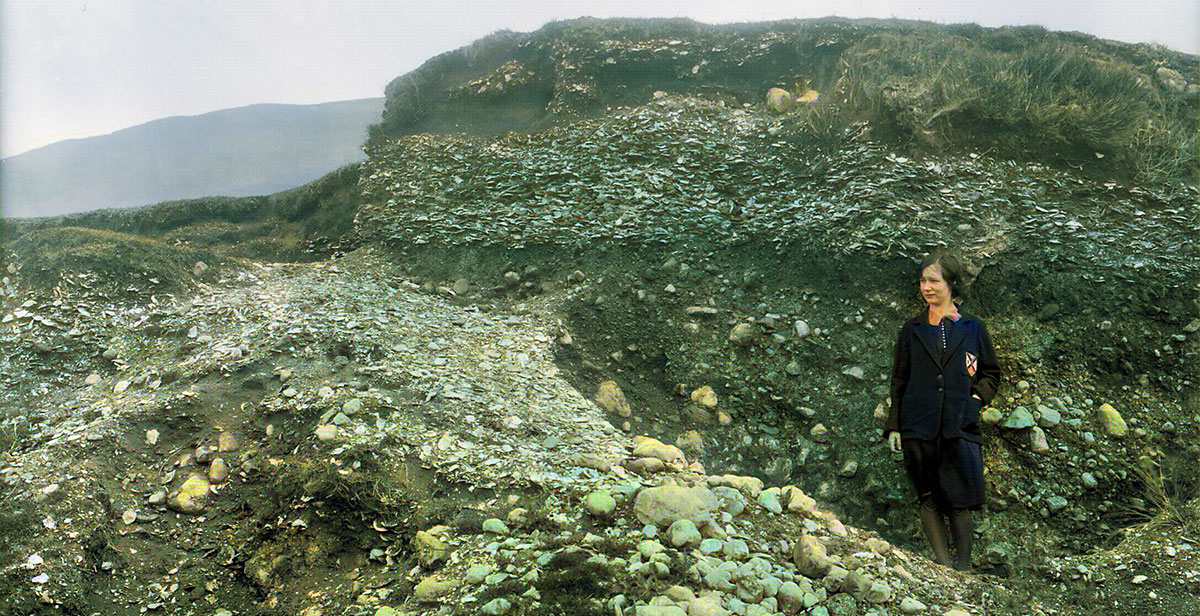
[{"x": 934, "y": 525}]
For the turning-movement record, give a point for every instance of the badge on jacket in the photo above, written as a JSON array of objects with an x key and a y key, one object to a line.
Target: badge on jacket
[{"x": 972, "y": 364}]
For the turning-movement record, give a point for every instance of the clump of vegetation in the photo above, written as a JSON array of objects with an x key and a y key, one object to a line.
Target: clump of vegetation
[
  {"x": 1171, "y": 501},
  {"x": 108, "y": 260},
  {"x": 1032, "y": 96}
]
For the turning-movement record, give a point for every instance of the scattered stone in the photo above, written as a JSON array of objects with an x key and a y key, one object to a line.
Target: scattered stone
[
  {"x": 801, "y": 328},
  {"x": 191, "y": 497},
  {"x": 879, "y": 592},
  {"x": 855, "y": 372},
  {"x": 151, "y": 436},
  {"x": 1056, "y": 503},
  {"x": 663, "y": 505},
  {"x": 477, "y": 573},
  {"x": 227, "y": 442},
  {"x": 496, "y": 607},
  {"x": 432, "y": 590},
  {"x": 705, "y": 397},
  {"x": 1048, "y": 417},
  {"x": 991, "y": 416},
  {"x": 1089, "y": 480},
  {"x": 750, "y": 486},
  {"x": 810, "y": 557},
  {"x": 1037, "y": 441},
  {"x": 769, "y": 499},
  {"x": 430, "y": 548},
  {"x": 819, "y": 433},
  {"x": 610, "y": 398},
  {"x": 1020, "y": 418},
  {"x": 742, "y": 334},
  {"x": 326, "y": 432},
  {"x": 92, "y": 379},
  {"x": 1111, "y": 420},
  {"x": 495, "y": 526},
  {"x": 653, "y": 448},
  {"x": 204, "y": 454},
  {"x": 735, "y": 549},
  {"x": 218, "y": 471},
  {"x": 683, "y": 534},
  {"x": 909, "y": 605},
  {"x": 798, "y": 501}
]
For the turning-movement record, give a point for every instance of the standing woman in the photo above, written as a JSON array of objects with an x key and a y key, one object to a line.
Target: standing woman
[{"x": 944, "y": 372}]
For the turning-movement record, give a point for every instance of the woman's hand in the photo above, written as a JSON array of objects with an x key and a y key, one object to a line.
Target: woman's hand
[{"x": 894, "y": 441}]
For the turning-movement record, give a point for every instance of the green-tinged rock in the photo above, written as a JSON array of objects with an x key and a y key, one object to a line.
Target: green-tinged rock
[
  {"x": 683, "y": 534},
  {"x": 659, "y": 610},
  {"x": 879, "y": 592},
  {"x": 769, "y": 499},
  {"x": 1048, "y": 416},
  {"x": 386, "y": 611},
  {"x": 742, "y": 334},
  {"x": 810, "y": 557},
  {"x": 496, "y": 607},
  {"x": 476, "y": 574},
  {"x": 192, "y": 496},
  {"x": 706, "y": 606},
  {"x": 790, "y": 597},
  {"x": 663, "y": 505},
  {"x": 1111, "y": 420},
  {"x": 433, "y": 590},
  {"x": 610, "y": 398},
  {"x": 600, "y": 504},
  {"x": 1037, "y": 441},
  {"x": 908, "y": 605},
  {"x": 991, "y": 416},
  {"x": 495, "y": 526},
  {"x": 842, "y": 605},
  {"x": 653, "y": 448},
  {"x": 1019, "y": 419},
  {"x": 431, "y": 550}
]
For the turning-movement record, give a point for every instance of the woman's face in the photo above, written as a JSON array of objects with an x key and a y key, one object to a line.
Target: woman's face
[{"x": 934, "y": 289}]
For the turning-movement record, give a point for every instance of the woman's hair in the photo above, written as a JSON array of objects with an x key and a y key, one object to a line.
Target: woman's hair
[{"x": 952, "y": 271}]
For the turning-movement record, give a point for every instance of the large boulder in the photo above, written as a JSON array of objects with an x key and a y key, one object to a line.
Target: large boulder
[{"x": 664, "y": 505}]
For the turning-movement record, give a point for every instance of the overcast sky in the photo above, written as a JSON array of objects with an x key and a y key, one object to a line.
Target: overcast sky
[{"x": 77, "y": 68}]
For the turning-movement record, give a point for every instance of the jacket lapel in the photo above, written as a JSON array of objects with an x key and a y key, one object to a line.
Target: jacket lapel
[
  {"x": 956, "y": 338},
  {"x": 934, "y": 354}
]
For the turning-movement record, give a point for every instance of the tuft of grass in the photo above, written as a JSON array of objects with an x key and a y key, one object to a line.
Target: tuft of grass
[
  {"x": 1022, "y": 93},
  {"x": 1171, "y": 502}
]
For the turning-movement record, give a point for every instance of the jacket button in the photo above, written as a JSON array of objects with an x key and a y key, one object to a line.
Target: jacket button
[
  {"x": 939, "y": 390},
  {"x": 939, "y": 377}
]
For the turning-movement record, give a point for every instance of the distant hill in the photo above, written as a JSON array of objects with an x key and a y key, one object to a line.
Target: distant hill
[{"x": 253, "y": 150}]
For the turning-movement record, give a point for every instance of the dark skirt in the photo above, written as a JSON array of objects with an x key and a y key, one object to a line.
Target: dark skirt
[{"x": 950, "y": 470}]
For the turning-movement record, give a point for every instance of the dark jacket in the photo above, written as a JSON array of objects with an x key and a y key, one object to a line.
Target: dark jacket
[{"x": 931, "y": 389}]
